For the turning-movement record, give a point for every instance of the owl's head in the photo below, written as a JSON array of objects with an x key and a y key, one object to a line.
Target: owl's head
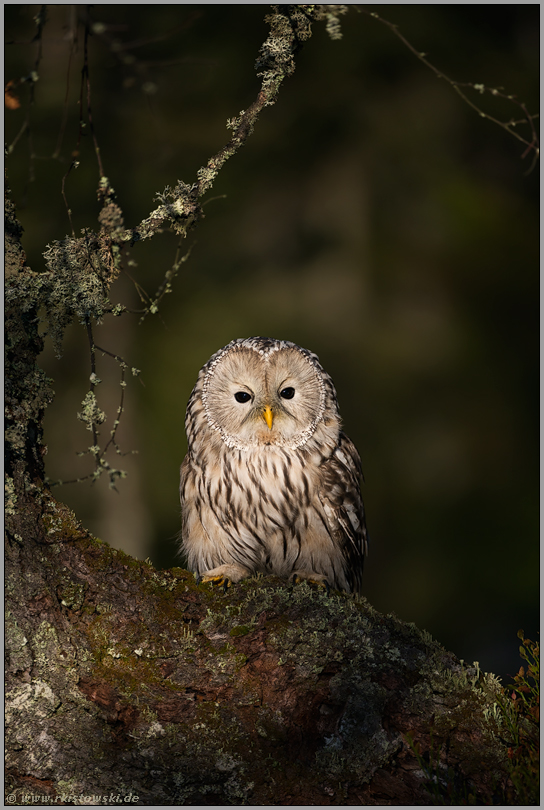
[{"x": 261, "y": 391}]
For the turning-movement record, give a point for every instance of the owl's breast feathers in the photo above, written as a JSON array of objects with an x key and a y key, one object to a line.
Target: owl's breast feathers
[{"x": 276, "y": 510}]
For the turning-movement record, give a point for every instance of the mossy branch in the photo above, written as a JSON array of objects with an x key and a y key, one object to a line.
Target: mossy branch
[{"x": 266, "y": 695}]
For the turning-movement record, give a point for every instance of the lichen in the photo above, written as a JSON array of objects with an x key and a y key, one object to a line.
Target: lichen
[
  {"x": 19, "y": 658},
  {"x": 91, "y": 415},
  {"x": 10, "y": 496}
]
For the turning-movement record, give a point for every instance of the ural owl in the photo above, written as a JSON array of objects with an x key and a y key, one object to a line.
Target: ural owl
[{"x": 270, "y": 483}]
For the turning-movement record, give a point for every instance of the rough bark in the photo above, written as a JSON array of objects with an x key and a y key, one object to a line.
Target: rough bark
[{"x": 127, "y": 681}]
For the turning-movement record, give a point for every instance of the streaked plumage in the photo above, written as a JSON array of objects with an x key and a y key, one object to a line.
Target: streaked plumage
[{"x": 270, "y": 483}]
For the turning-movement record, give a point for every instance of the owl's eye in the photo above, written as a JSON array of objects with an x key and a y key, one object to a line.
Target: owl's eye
[
  {"x": 242, "y": 396},
  {"x": 287, "y": 393}
]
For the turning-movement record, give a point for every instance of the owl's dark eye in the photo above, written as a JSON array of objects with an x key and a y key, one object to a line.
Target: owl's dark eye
[
  {"x": 287, "y": 393},
  {"x": 242, "y": 396}
]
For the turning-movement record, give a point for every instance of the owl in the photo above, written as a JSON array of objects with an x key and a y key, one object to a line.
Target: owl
[{"x": 270, "y": 482}]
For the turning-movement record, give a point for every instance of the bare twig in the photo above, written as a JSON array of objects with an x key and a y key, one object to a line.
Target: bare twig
[
  {"x": 166, "y": 284},
  {"x": 73, "y": 48},
  {"x": 508, "y": 126},
  {"x": 73, "y": 165},
  {"x": 86, "y": 82}
]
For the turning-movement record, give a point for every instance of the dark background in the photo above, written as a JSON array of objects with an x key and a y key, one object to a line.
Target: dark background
[{"x": 373, "y": 217}]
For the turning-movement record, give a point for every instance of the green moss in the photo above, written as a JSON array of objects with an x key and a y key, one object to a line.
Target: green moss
[
  {"x": 240, "y": 630},
  {"x": 59, "y": 522}
]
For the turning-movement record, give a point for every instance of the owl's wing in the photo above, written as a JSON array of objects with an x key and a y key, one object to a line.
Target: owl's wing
[{"x": 340, "y": 495}]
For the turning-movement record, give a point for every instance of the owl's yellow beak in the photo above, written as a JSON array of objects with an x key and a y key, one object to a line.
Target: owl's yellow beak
[{"x": 268, "y": 417}]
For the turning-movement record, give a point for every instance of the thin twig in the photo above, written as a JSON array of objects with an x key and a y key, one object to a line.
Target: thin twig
[
  {"x": 166, "y": 284},
  {"x": 73, "y": 165},
  {"x": 89, "y": 110},
  {"x": 73, "y": 48},
  {"x": 120, "y": 409},
  {"x": 99, "y": 455},
  {"x": 532, "y": 145}
]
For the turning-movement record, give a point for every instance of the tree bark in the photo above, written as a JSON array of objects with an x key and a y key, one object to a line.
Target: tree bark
[{"x": 137, "y": 684}]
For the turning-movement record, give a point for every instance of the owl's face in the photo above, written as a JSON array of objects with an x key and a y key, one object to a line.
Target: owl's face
[{"x": 262, "y": 392}]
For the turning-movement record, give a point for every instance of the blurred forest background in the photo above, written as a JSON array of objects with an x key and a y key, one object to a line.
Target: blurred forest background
[{"x": 373, "y": 217}]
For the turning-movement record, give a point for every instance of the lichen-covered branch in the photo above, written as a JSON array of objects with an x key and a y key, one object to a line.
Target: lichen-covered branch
[
  {"x": 290, "y": 26},
  {"x": 134, "y": 682}
]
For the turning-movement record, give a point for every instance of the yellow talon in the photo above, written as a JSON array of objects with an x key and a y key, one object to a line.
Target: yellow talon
[
  {"x": 218, "y": 581},
  {"x": 320, "y": 583}
]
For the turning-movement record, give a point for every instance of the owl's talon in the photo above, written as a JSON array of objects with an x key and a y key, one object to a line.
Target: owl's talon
[
  {"x": 218, "y": 581},
  {"x": 321, "y": 582}
]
